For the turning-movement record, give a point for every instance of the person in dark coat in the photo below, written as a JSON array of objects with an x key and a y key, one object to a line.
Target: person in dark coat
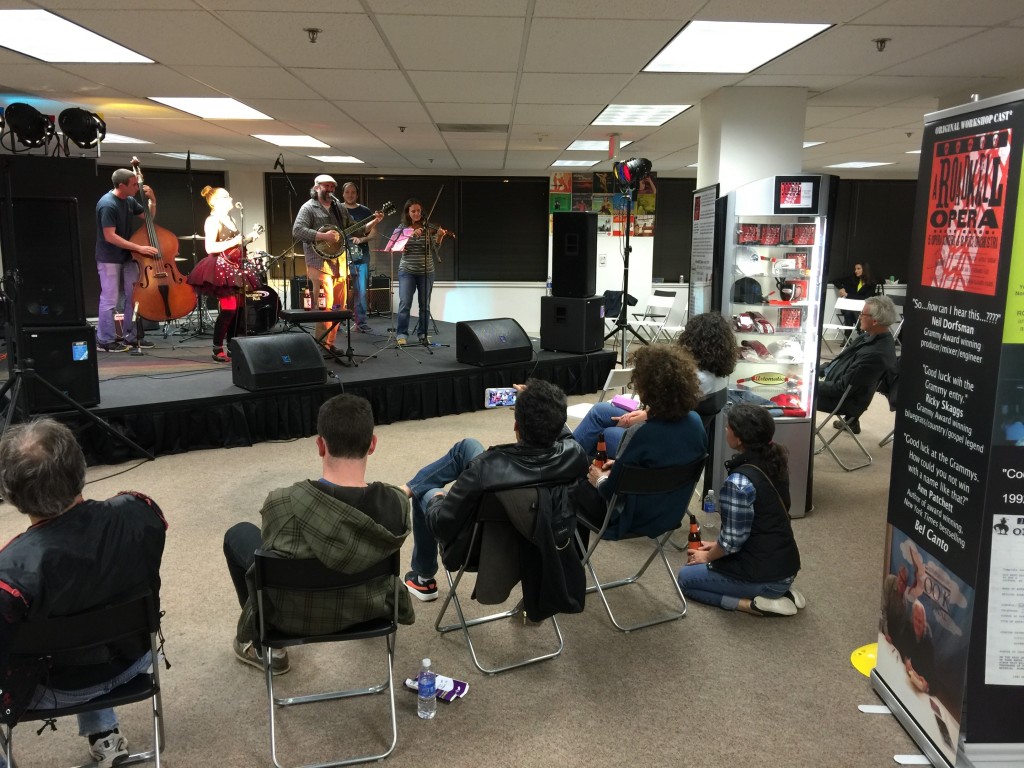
[{"x": 859, "y": 285}]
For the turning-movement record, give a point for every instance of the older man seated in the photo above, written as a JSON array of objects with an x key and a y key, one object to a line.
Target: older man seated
[{"x": 862, "y": 363}]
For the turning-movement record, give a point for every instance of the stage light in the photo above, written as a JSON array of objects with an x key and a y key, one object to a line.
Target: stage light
[
  {"x": 85, "y": 128},
  {"x": 28, "y": 124},
  {"x": 631, "y": 172}
]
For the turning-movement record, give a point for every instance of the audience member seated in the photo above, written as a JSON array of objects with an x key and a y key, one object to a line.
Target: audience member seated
[
  {"x": 859, "y": 285},
  {"x": 347, "y": 524},
  {"x": 544, "y": 454},
  {"x": 712, "y": 343},
  {"x": 76, "y": 556},
  {"x": 665, "y": 378},
  {"x": 862, "y": 363},
  {"x": 752, "y": 564}
]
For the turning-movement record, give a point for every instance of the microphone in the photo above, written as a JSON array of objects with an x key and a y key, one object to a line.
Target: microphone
[
  {"x": 278, "y": 163},
  {"x": 239, "y": 206},
  {"x": 334, "y": 200}
]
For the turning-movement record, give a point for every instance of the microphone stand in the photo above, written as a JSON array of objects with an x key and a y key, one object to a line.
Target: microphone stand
[
  {"x": 292, "y": 194},
  {"x": 429, "y": 252},
  {"x": 201, "y": 310}
]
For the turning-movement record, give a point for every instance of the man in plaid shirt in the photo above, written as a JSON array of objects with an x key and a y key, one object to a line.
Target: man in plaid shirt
[{"x": 341, "y": 520}]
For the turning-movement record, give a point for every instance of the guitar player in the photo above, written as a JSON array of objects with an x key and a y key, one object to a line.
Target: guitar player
[
  {"x": 320, "y": 220},
  {"x": 358, "y": 254}
]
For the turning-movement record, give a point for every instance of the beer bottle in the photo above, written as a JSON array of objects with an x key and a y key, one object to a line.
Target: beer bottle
[
  {"x": 602, "y": 452},
  {"x": 693, "y": 540},
  {"x": 321, "y": 299},
  {"x": 307, "y": 299}
]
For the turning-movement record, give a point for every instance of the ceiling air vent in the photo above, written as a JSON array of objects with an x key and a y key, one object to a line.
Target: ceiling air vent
[{"x": 472, "y": 127}]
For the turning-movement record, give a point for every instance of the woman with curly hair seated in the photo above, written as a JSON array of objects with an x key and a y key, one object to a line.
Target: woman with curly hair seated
[
  {"x": 712, "y": 343},
  {"x": 665, "y": 377}
]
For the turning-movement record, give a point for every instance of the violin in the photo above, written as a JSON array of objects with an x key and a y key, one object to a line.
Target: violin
[{"x": 439, "y": 233}]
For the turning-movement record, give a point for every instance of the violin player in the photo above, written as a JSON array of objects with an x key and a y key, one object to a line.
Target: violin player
[{"x": 416, "y": 269}]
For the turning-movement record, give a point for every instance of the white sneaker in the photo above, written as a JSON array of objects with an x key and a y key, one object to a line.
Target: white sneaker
[
  {"x": 774, "y": 606},
  {"x": 110, "y": 751},
  {"x": 797, "y": 597}
]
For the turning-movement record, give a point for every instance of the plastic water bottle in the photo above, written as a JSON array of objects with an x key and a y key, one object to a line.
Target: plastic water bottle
[
  {"x": 426, "y": 706},
  {"x": 709, "y": 503},
  {"x": 548, "y": 287}
]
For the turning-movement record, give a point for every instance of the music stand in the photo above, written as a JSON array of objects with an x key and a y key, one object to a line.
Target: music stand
[{"x": 396, "y": 242}]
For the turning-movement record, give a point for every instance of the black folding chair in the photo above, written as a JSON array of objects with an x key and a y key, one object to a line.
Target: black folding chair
[
  {"x": 279, "y": 576},
  {"x": 135, "y": 621},
  {"x": 842, "y": 424},
  {"x": 635, "y": 481}
]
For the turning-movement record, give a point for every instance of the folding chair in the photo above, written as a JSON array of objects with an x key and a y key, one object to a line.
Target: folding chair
[
  {"x": 618, "y": 379},
  {"x": 842, "y": 304},
  {"x": 135, "y": 621},
  {"x": 843, "y": 427},
  {"x": 493, "y": 513},
  {"x": 642, "y": 481},
  {"x": 309, "y": 579},
  {"x": 890, "y": 387},
  {"x": 900, "y": 302},
  {"x": 652, "y": 321}
]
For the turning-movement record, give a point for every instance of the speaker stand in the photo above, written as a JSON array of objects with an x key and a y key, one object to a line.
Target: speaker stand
[
  {"x": 16, "y": 381},
  {"x": 622, "y": 321}
]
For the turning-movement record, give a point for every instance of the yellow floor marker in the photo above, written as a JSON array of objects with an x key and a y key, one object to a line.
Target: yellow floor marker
[{"x": 865, "y": 658}]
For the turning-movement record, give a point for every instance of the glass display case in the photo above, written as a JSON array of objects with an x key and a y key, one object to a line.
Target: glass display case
[{"x": 771, "y": 260}]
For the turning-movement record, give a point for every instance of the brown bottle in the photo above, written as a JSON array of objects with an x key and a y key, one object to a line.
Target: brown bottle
[
  {"x": 321, "y": 300},
  {"x": 307, "y": 299},
  {"x": 693, "y": 540},
  {"x": 602, "y": 452}
]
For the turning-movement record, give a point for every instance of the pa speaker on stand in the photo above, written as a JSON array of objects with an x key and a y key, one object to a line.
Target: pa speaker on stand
[{"x": 574, "y": 254}]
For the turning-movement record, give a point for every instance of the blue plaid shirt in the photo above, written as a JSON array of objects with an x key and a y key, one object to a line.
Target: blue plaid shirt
[{"x": 736, "y": 503}]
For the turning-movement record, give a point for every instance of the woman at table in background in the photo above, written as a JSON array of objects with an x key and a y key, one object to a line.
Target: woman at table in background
[
  {"x": 752, "y": 564},
  {"x": 712, "y": 343},
  {"x": 860, "y": 285},
  {"x": 224, "y": 272},
  {"x": 416, "y": 269}
]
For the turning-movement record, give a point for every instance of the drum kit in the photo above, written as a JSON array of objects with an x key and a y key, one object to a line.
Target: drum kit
[{"x": 262, "y": 304}]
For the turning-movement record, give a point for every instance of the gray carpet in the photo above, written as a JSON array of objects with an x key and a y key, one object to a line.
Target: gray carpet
[{"x": 713, "y": 689}]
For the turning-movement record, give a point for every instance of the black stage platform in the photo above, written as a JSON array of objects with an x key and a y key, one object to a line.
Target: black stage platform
[{"x": 176, "y": 398}]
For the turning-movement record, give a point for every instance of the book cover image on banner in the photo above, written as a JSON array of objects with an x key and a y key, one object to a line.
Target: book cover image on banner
[
  {"x": 966, "y": 206},
  {"x": 923, "y": 637}
]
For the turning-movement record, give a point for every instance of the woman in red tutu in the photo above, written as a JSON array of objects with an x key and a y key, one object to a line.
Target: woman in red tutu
[{"x": 224, "y": 273}]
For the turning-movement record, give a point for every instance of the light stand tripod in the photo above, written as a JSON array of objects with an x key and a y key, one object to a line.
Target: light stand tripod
[{"x": 622, "y": 321}]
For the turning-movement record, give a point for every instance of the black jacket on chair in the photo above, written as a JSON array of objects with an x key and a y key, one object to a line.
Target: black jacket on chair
[{"x": 861, "y": 364}]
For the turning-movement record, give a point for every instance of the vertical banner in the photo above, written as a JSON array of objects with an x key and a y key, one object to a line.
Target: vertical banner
[
  {"x": 702, "y": 249},
  {"x": 954, "y": 370}
]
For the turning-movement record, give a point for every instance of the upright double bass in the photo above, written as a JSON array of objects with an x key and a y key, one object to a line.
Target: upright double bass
[{"x": 161, "y": 292}]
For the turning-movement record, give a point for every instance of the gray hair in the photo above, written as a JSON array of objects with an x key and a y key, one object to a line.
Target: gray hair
[
  {"x": 882, "y": 310},
  {"x": 42, "y": 468}
]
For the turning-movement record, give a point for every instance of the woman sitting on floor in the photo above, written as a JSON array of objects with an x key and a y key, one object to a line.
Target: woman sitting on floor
[
  {"x": 712, "y": 343},
  {"x": 752, "y": 565}
]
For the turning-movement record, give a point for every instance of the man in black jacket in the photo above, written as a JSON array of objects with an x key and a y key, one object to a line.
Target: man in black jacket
[
  {"x": 76, "y": 556},
  {"x": 544, "y": 453},
  {"x": 862, "y": 363}
]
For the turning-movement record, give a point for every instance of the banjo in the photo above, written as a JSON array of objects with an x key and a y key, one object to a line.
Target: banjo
[{"x": 332, "y": 250}]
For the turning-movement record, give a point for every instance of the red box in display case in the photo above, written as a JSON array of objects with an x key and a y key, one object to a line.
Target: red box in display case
[
  {"x": 748, "y": 234},
  {"x": 771, "y": 234},
  {"x": 803, "y": 234},
  {"x": 799, "y": 259}
]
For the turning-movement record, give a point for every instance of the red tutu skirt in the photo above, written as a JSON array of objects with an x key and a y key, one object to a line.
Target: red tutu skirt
[{"x": 217, "y": 276}]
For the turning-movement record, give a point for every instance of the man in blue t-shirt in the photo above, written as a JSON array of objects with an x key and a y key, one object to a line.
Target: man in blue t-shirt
[
  {"x": 117, "y": 270},
  {"x": 359, "y": 254}
]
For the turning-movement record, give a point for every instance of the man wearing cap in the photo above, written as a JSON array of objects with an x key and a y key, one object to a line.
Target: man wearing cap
[{"x": 322, "y": 210}]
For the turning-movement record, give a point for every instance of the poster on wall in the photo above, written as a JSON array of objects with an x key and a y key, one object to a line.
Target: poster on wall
[
  {"x": 935, "y": 603},
  {"x": 702, "y": 248}
]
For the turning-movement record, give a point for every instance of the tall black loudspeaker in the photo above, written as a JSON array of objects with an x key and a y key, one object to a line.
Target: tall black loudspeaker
[
  {"x": 278, "y": 360},
  {"x": 574, "y": 254},
  {"x": 47, "y": 260},
  {"x": 572, "y": 325},
  {"x": 492, "y": 342},
  {"x": 65, "y": 358}
]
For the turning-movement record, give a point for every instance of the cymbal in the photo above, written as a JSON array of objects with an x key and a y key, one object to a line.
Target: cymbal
[{"x": 192, "y": 237}]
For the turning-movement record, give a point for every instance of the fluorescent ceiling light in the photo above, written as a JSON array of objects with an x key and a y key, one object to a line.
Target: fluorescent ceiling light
[
  {"x": 730, "y": 46},
  {"x": 574, "y": 163},
  {"x": 185, "y": 156},
  {"x": 290, "y": 141},
  {"x": 116, "y": 138},
  {"x": 808, "y": 144},
  {"x": 639, "y": 114},
  {"x": 212, "y": 108},
  {"x": 857, "y": 164},
  {"x": 913, "y": 152},
  {"x": 42, "y": 35},
  {"x": 594, "y": 146},
  {"x": 336, "y": 158}
]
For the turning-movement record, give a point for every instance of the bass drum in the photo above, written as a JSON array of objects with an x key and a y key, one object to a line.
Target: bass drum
[{"x": 262, "y": 308}]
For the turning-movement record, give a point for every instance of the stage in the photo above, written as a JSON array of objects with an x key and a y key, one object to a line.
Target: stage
[{"x": 176, "y": 398}]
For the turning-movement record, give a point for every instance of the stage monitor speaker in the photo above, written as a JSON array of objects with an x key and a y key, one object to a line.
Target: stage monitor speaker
[
  {"x": 46, "y": 257},
  {"x": 64, "y": 357},
  {"x": 275, "y": 361},
  {"x": 574, "y": 254},
  {"x": 492, "y": 342},
  {"x": 572, "y": 325}
]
